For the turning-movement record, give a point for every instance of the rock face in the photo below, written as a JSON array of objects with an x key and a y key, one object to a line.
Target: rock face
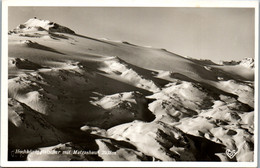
[{"x": 73, "y": 97}]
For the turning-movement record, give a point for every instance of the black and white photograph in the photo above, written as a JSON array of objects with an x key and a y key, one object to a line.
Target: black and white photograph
[{"x": 131, "y": 83}]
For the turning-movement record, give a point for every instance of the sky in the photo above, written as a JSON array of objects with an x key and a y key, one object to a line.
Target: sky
[{"x": 202, "y": 33}]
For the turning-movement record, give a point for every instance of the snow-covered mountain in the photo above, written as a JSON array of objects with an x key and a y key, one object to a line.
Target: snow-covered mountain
[
  {"x": 35, "y": 24},
  {"x": 68, "y": 92},
  {"x": 247, "y": 62}
]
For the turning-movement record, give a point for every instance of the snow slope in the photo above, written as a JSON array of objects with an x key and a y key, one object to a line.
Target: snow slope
[{"x": 123, "y": 101}]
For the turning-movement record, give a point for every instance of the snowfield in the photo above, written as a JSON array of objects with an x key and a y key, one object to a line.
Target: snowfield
[{"x": 74, "y": 97}]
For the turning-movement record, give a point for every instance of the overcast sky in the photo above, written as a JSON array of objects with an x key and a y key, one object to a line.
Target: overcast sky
[{"x": 207, "y": 33}]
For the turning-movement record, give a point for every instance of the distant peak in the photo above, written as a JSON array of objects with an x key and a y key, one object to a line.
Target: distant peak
[
  {"x": 246, "y": 62},
  {"x": 35, "y": 24}
]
